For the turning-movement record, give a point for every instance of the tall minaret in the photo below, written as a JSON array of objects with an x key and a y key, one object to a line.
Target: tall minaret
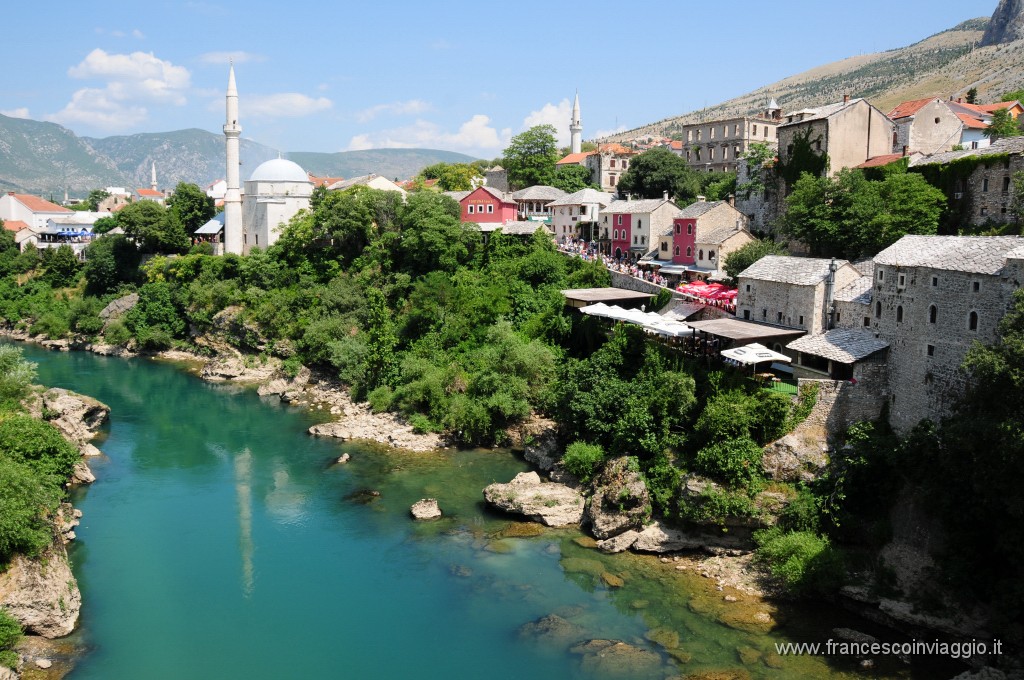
[
  {"x": 233, "y": 196},
  {"x": 152, "y": 179},
  {"x": 576, "y": 127}
]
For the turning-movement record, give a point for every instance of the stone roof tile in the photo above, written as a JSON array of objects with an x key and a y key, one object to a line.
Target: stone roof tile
[
  {"x": 845, "y": 345},
  {"x": 800, "y": 271},
  {"x": 973, "y": 254}
]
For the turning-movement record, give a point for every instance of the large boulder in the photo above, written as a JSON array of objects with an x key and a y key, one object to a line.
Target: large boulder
[
  {"x": 620, "y": 501},
  {"x": 794, "y": 458},
  {"x": 425, "y": 508},
  {"x": 554, "y": 505},
  {"x": 119, "y": 306},
  {"x": 551, "y": 629},
  {"x": 543, "y": 451},
  {"x": 41, "y": 593},
  {"x": 77, "y": 416},
  {"x": 614, "y": 658}
]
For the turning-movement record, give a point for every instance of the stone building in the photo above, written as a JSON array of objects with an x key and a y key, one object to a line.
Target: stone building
[
  {"x": 849, "y": 132},
  {"x": 985, "y": 194},
  {"x": 275, "y": 192},
  {"x": 934, "y": 296},
  {"x": 607, "y": 164},
  {"x": 577, "y": 214},
  {"x": 795, "y": 292},
  {"x": 925, "y": 125},
  {"x": 703, "y": 234},
  {"x": 717, "y": 146},
  {"x": 532, "y": 203}
]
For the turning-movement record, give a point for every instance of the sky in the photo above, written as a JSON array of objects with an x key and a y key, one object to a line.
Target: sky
[{"x": 455, "y": 75}]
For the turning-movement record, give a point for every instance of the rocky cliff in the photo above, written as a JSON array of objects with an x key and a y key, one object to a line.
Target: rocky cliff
[{"x": 1006, "y": 25}]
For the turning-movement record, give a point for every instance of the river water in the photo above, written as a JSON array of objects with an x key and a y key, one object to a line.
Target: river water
[{"x": 220, "y": 542}]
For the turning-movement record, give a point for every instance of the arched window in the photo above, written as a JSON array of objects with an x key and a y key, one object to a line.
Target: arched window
[
  {"x": 972, "y": 321},
  {"x": 677, "y": 228},
  {"x": 933, "y": 314},
  {"x": 899, "y": 314},
  {"x": 639, "y": 224},
  {"x": 689, "y": 251},
  {"x": 643, "y": 240},
  {"x": 677, "y": 250},
  {"x": 700, "y": 254},
  {"x": 689, "y": 228},
  {"x": 711, "y": 254}
]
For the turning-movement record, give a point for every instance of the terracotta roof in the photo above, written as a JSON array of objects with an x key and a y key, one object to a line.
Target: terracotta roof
[
  {"x": 991, "y": 108},
  {"x": 676, "y": 145},
  {"x": 149, "y": 192},
  {"x": 323, "y": 181},
  {"x": 615, "y": 147},
  {"x": 879, "y": 161},
  {"x": 910, "y": 108},
  {"x": 14, "y": 225},
  {"x": 575, "y": 158},
  {"x": 36, "y": 204},
  {"x": 971, "y": 122}
]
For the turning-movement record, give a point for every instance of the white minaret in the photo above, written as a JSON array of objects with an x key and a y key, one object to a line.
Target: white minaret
[
  {"x": 576, "y": 127},
  {"x": 233, "y": 196},
  {"x": 152, "y": 179}
]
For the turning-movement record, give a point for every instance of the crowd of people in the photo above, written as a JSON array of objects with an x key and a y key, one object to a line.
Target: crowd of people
[{"x": 588, "y": 251}]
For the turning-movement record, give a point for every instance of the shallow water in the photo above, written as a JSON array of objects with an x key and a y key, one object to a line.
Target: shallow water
[{"x": 220, "y": 542}]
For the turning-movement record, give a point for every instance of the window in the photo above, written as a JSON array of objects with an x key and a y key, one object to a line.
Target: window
[
  {"x": 664, "y": 247},
  {"x": 689, "y": 135},
  {"x": 618, "y": 220},
  {"x": 689, "y": 251},
  {"x": 931, "y": 350},
  {"x": 935, "y": 281},
  {"x": 711, "y": 154},
  {"x": 937, "y": 121},
  {"x": 899, "y": 314},
  {"x": 1006, "y": 185},
  {"x": 257, "y": 239},
  {"x": 490, "y": 207},
  {"x": 748, "y": 287},
  {"x": 778, "y": 318},
  {"x": 643, "y": 240},
  {"x": 677, "y": 250},
  {"x": 700, "y": 254},
  {"x": 972, "y": 321},
  {"x": 615, "y": 234},
  {"x": 687, "y": 155},
  {"x": 677, "y": 228},
  {"x": 867, "y": 320},
  {"x": 634, "y": 240},
  {"x": 711, "y": 254},
  {"x": 746, "y": 314},
  {"x": 712, "y": 132},
  {"x": 983, "y": 211},
  {"x": 933, "y": 314},
  {"x": 801, "y": 321},
  {"x": 764, "y": 313},
  {"x": 903, "y": 280},
  {"x": 881, "y": 275},
  {"x": 736, "y": 129},
  {"x": 976, "y": 286},
  {"x": 984, "y": 185},
  {"x": 878, "y": 310},
  {"x": 611, "y": 163},
  {"x": 612, "y": 179},
  {"x": 817, "y": 145},
  {"x": 755, "y": 129},
  {"x": 625, "y": 164},
  {"x": 697, "y": 152},
  {"x": 469, "y": 209},
  {"x": 689, "y": 229},
  {"x": 639, "y": 224}
]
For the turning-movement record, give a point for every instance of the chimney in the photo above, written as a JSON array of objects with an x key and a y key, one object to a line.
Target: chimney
[
  {"x": 959, "y": 100},
  {"x": 846, "y": 99},
  {"x": 664, "y": 195},
  {"x": 905, "y": 150},
  {"x": 731, "y": 198},
  {"x": 629, "y": 197},
  {"x": 701, "y": 199}
]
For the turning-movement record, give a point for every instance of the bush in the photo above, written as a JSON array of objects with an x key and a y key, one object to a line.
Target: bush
[
  {"x": 10, "y": 634},
  {"x": 582, "y": 459},
  {"x": 52, "y": 323},
  {"x": 16, "y": 374},
  {"x": 804, "y": 562},
  {"x": 714, "y": 506},
  {"x": 735, "y": 462},
  {"x": 26, "y": 502},
  {"x": 117, "y": 333},
  {"x": 153, "y": 338},
  {"x": 84, "y": 316},
  {"x": 802, "y": 513},
  {"x": 381, "y": 399},
  {"x": 39, "y": 445}
]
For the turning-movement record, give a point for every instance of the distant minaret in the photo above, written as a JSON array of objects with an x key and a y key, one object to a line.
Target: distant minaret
[
  {"x": 576, "y": 127},
  {"x": 152, "y": 179},
  {"x": 233, "y": 196}
]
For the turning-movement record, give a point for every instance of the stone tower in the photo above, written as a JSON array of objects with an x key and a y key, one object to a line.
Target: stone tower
[
  {"x": 576, "y": 127},
  {"x": 152, "y": 179},
  {"x": 233, "y": 195}
]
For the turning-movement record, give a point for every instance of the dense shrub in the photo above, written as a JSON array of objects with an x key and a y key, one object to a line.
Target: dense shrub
[
  {"x": 26, "y": 502},
  {"x": 734, "y": 462},
  {"x": 39, "y": 445},
  {"x": 804, "y": 562},
  {"x": 582, "y": 459},
  {"x": 10, "y": 634},
  {"x": 16, "y": 375}
]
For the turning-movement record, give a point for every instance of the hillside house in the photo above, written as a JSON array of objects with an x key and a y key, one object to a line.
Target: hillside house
[
  {"x": 703, "y": 234},
  {"x": 370, "y": 181},
  {"x": 717, "y": 146},
  {"x": 485, "y": 205},
  {"x": 926, "y": 125},
  {"x": 848, "y": 132},
  {"x": 532, "y": 203},
  {"x": 576, "y": 215},
  {"x": 31, "y": 210}
]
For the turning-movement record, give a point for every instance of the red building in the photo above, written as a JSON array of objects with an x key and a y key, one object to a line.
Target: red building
[{"x": 485, "y": 204}]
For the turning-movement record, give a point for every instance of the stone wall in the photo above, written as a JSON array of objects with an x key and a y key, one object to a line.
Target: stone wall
[
  {"x": 989, "y": 190},
  {"x": 842, "y": 403},
  {"x": 627, "y": 282},
  {"x": 925, "y": 378}
]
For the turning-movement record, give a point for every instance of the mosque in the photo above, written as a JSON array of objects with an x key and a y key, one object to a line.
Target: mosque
[{"x": 274, "y": 193}]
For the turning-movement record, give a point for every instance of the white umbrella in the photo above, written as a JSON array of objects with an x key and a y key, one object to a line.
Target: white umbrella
[
  {"x": 753, "y": 354},
  {"x": 599, "y": 309}
]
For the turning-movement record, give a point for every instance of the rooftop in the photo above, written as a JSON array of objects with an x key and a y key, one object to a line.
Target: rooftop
[
  {"x": 819, "y": 113},
  {"x": 910, "y": 108},
  {"x": 697, "y": 209},
  {"x": 800, "y": 271},
  {"x": 538, "y": 192},
  {"x": 858, "y": 290},
  {"x": 974, "y": 254},
  {"x": 582, "y": 196},
  {"x": 575, "y": 158},
  {"x": 717, "y": 235},
  {"x": 643, "y": 205},
  {"x": 1008, "y": 145},
  {"x": 36, "y": 204},
  {"x": 845, "y": 345},
  {"x": 735, "y": 329},
  {"x": 589, "y": 296}
]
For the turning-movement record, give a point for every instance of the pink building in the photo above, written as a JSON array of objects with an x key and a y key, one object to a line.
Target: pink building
[
  {"x": 634, "y": 227},
  {"x": 485, "y": 204}
]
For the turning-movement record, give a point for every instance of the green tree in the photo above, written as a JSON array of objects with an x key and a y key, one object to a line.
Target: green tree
[
  {"x": 191, "y": 206},
  {"x": 27, "y": 500},
  {"x": 153, "y": 228},
  {"x": 658, "y": 170},
  {"x": 453, "y": 176},
  {"x": 531, "y": 156},
  {"x": 572, "y": 178},
  {"x": 62, "y": 267},
  {"x": 1014, "y": 96},
  {"x": 1002, "y": 125},
  {"x": 972, "y": 96},
  {"x": 96, "y": 196},
  {"x": 1017, "y": 201},
  {"x": 760, "y": 161},
  {"x": 743, "y": 257},
  {"x": 104, "y": 224},
  {"x": 110, "y": 261},
  {"x": 432, "y": 237},
  {"x": 16, "y": 374},
  {"x": 10, "y": 634},
  {"x": 381, "y": 366}
]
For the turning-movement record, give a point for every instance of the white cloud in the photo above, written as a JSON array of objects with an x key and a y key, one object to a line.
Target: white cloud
[
  {"x": 476, "y": 135},
  {"x": 21, "y": 112},
  {"x": 284, "y": 105},
  {"x": 132, "y": 81},
  {"x": 136, "y": 33},
  {"x": 238, "y": 57},
  {"x": 406, "y": 108},
  {"x": 557, "y": 115}
]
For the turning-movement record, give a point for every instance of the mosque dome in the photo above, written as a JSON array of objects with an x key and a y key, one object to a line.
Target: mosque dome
[{"x": 278, "y": 170}]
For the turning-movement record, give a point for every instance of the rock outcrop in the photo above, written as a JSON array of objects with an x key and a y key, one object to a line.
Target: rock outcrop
[
  {"x": 554, "y": 505},
  {"x": 543, "y": 451},
  {"x": 41, "y": 593},
  {"x": 620, "y": 501},
  {"x": 425, "y": 508},
  {"x": 614, "y": 658},
  {"x": 794, "y": 458},
  {"x": 77, "y": 416},
  {"x": 119, "y": 306},
  {"x": 1006, "y": 24}
]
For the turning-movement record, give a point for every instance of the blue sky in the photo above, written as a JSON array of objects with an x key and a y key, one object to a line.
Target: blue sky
[{"x": 455, "y": 75}]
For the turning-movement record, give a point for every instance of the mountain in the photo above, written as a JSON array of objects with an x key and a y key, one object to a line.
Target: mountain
[
  {"x": 43, "y": 158},
  {"x": 946, "y": 64},
  {"x": 1006, "y": 25}
]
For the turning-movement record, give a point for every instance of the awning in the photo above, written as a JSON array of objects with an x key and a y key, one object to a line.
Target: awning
[
  {"x": 754, "y": 354},
  {"x": 211, "y": 227}
]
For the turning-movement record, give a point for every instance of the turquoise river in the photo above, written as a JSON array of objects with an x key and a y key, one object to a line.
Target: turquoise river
[{"x": 220, "y": 542}]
